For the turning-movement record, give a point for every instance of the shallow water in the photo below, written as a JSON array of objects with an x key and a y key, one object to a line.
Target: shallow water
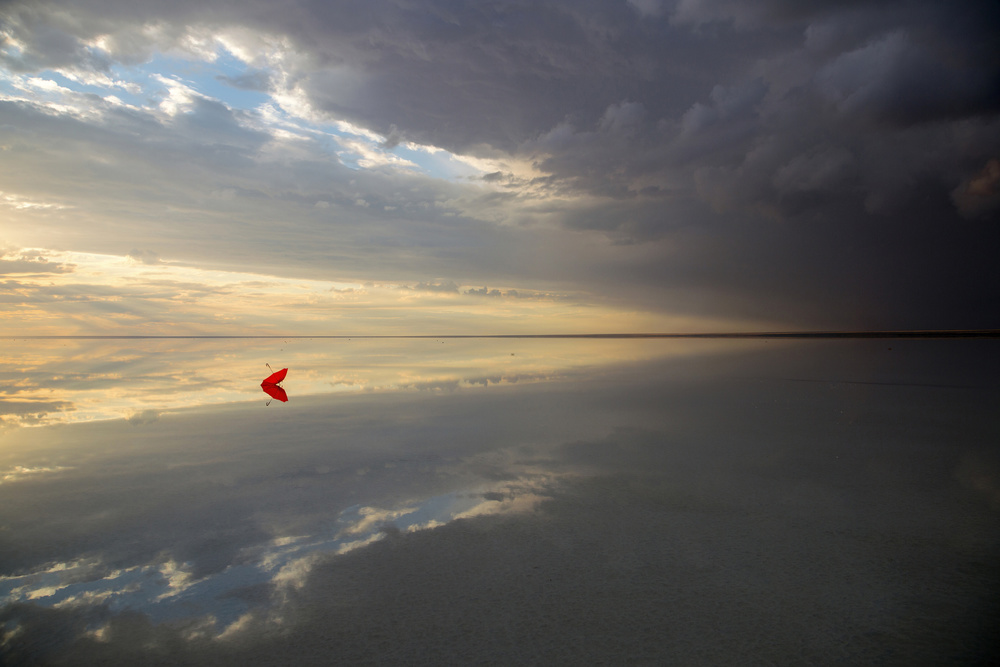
[{"x": 454, "y": 501}]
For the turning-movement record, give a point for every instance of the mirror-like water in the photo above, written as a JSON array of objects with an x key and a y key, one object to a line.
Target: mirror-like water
[{"x": 532, "y": 501}]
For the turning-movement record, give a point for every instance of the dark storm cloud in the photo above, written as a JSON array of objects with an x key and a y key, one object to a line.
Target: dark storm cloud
[
  {"x": 980, "y": 195},
  {"x": 454, "y": 74},
  {"x": 824, "y": 161},
  {"x": 459, "y": 74}
]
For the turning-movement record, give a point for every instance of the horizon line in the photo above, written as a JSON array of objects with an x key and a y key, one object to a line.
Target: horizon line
[{"x": 897, "y": 333}]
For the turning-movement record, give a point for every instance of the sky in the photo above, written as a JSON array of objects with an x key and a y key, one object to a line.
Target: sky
[{"x": 405, "y": 166}]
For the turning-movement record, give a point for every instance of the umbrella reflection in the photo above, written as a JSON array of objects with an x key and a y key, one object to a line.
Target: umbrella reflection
[{"x": 274, "y": 391}]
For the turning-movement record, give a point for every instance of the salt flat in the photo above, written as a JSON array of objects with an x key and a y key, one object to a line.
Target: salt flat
[{"x": 498, "y": 502}]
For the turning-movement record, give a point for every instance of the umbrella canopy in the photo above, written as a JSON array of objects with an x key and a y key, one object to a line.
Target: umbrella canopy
[{"x": 275, "y": 378}]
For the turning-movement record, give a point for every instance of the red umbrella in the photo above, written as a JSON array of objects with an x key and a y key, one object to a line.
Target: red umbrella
[{"x": 275, "y": 378}]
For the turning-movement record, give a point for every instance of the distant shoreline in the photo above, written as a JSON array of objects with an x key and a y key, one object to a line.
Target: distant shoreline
[{"x": 930, "y": 333}]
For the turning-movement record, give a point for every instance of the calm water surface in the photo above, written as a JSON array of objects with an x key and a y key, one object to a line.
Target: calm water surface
[{"x": 500, "y": 502}]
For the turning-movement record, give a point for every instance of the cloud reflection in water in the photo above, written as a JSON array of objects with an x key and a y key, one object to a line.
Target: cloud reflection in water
[
  {"x": 77, "y": 380},
  {"x": 639, "y": 492},
  {"x": 169, "y": 590}
]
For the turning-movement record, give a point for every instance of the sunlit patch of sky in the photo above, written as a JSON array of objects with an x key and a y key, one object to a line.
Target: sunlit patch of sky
[
  {"x": 21, "y": 203},
  {"x": 222, "y": 76},
  {"x": 216, "y": 78},
  {"x": 22, "y": 472},
  {"x": 64, "y": 293}
]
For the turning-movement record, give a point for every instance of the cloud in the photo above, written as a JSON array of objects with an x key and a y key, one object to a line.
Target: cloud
[
  {"x": 144, "y": 256},
  {"x": 726, "y": 104},
  {"x": 979, "y": 197},
  {"x": 29, "y": 261},
  {"x": 392, "y": 138},
  {"x": 143, "y": 417},
  {"x": 987, "y": 182},
  {"x": 19, "y": 413},
  {"x": 895, "y": 80},
  {"x": 650, "y": 8},
  {"x": 561, "y": 144},
  {"x": 621, "y": 118},
  {"x": 255, "y": 80},
  {"x": 31, "y": 266},
  {"x": 484, "y": 291},
  {"x": 38, "y": 408},
  {"x": 821, "y": 170},
  {"x": 446, "y": 286}
]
